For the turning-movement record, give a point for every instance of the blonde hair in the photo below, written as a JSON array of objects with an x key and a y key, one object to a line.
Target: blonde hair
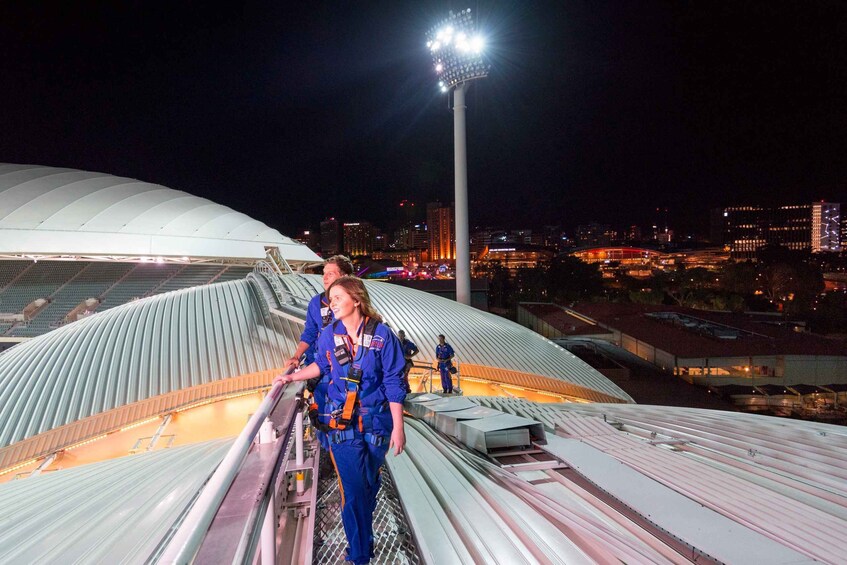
[{"x": 357, "y": 291}]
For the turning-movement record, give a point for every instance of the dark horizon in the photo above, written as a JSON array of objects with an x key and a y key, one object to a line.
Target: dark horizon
[{"x": 293, "y": 113}]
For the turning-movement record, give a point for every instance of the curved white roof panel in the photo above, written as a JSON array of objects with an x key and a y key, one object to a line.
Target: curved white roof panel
[
  {"x": 135, "y": 361},
  {"x": 116, "y": 511},
  {"x": 53, "y": 211},
  {"x": 487, "y": 346}
]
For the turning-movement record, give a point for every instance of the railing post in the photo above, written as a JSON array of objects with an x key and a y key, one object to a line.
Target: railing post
[
  {"x": 298, "y": 450},
  {"x": 268, "y": 538},
  {"x": 184, "y": 544},
  {"x": 165, "y": 421}
]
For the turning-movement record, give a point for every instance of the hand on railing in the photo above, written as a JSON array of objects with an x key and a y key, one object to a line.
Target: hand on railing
[
  {"x": 309, "y": 372},
  {"x": 293, "y": 363},
  {"x": 286, "y": 377}
]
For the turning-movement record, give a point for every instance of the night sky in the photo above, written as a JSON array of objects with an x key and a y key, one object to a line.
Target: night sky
[{"x": 594, "y": 110}]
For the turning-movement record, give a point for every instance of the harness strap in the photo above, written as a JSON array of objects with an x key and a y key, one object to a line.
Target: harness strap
[
  {"x": 354, "y": 374},
  {"x": 338, "y": 436}
]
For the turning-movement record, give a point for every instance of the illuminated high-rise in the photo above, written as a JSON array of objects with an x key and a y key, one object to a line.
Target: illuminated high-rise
[
  {"x": 442, "y": 231},
  {"x": 358, "y": 238},
  {"x": 826, "y": 225},
  {"x": 803, "y": 227}
]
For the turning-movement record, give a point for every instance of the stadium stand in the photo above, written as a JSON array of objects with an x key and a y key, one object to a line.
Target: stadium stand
[
  {"x": 66, "y": 284},
  {"x": 190, "y": 275},
  {"x": 10, "y": 271},
  {"x": 233, "y": 273},
  {"x": 141, "y": 281},
  {"x": 41, "y": 280},
  {"x": 91, "y": 282}
]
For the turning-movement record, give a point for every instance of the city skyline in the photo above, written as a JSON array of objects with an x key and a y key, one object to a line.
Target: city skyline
[{"x": 591, "y": 112}]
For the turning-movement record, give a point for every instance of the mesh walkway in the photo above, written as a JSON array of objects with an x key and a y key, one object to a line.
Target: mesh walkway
[{"x": 393, "y": 541}]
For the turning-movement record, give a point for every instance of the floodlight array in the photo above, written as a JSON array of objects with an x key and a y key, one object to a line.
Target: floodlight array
[{"x": 456, "y": 50}]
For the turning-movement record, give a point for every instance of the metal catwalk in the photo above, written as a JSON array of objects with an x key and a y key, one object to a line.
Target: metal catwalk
[{"x": 393, "y": 540}]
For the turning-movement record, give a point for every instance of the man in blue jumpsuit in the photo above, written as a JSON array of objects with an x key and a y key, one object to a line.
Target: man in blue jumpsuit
[
  {"x": 318, "y": 316},
  {"x": 444, "y": 353},
  {"x": 409, "y": 351}
]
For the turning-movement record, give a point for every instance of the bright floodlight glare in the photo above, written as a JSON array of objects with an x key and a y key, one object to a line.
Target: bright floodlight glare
[{"x": 457, "y": 50}]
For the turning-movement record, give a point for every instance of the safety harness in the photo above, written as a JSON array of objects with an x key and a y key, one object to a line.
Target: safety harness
[{"x": 340, "y": 420}]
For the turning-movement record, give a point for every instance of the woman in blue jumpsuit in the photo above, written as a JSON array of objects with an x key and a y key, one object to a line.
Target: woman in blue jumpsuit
[{"x": 362, "y": 420}]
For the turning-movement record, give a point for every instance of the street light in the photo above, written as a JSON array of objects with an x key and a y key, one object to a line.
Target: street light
[{"x": 457, "y": 59}]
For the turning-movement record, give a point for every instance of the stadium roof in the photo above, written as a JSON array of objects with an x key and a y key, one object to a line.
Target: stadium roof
[
  {"x": 487, "y": 346},
  {"x": 52, "y": 211},
  {"x": 145, "y": 357},
  {"x": 114, "y": 511},
  {"x": 617, "y": 483},
  {"x": 136, "y": 361}
]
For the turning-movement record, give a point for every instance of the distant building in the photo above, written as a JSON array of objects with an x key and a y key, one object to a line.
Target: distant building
[
  {"x": 643, "y": 262},
  {"x": 826, "y": 226},
  {"x": 384, "y": 269},
  {"x": 594, "y": 235},
  {"x": 514, "y": 256},
  {"x": 380, "y": 240},
  {"x": 718, "y": 348},
  {"x": 309, "y": 238},
  {"x": 633, "y": 233},
  {"x": 411, "y": 236},
  {"x": 745, "y": 229},
  {"x": 331, "y": 237},
  {"x": 661, "y": 231},
  {"x": 441, "y": 225},
  {"x": 358, "y": 238},
  {"x": 411, "y": 259},
  {"x": 843, "y": 231},
  {"x": 528, "y": 237}
]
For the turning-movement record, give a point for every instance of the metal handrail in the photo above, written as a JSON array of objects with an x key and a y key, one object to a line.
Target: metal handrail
[
  {"x": 434, "y": 365},
  {"x": 185, "y": 543},
  {"x": 266, "y": 270}
]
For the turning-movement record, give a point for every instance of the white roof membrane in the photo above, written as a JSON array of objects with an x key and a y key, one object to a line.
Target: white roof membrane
[{"x": 54, "y": 211}]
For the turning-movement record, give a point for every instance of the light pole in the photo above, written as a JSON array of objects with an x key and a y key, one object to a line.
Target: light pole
[{"x": 457, "y": 58}]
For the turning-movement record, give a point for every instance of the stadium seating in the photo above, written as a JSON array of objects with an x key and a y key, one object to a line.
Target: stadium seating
[
  {"x": 234, "y": 273},
  {"x": 9, "y": 271},
  {"x": 66, "y": 284},
  {"x": 40, "y": 280},
  {"x": 141, "y": 281},
  {"x": 190, "y": 275}
]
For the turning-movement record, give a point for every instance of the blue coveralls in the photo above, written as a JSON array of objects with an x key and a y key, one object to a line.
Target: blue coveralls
[
  {"x": 359, "y": 450},
  {"x": 317, "y": 313},
  {"x": 443, "y": 353},
  {"x": 409, "y": 348}
]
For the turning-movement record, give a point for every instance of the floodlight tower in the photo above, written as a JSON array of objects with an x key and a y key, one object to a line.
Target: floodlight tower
[{"x": 457, "y": 57}]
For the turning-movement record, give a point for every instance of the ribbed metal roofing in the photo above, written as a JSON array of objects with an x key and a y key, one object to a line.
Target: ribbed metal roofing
[
  {"x": 486, "y": 345},
  {"x": 784, "y": 479},
  {"x": 116, "y": 511},
  {"x": 47, "y": 210},
  {"x": 179, "y": 341}
]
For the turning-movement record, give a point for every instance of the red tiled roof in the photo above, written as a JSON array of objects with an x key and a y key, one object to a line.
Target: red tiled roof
[
  {"x": 770, "y": 338},
  {"x": 560, "y": 319}
]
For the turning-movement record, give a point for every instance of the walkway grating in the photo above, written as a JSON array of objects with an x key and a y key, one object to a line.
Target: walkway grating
[{"x": 393, "y": 540}]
